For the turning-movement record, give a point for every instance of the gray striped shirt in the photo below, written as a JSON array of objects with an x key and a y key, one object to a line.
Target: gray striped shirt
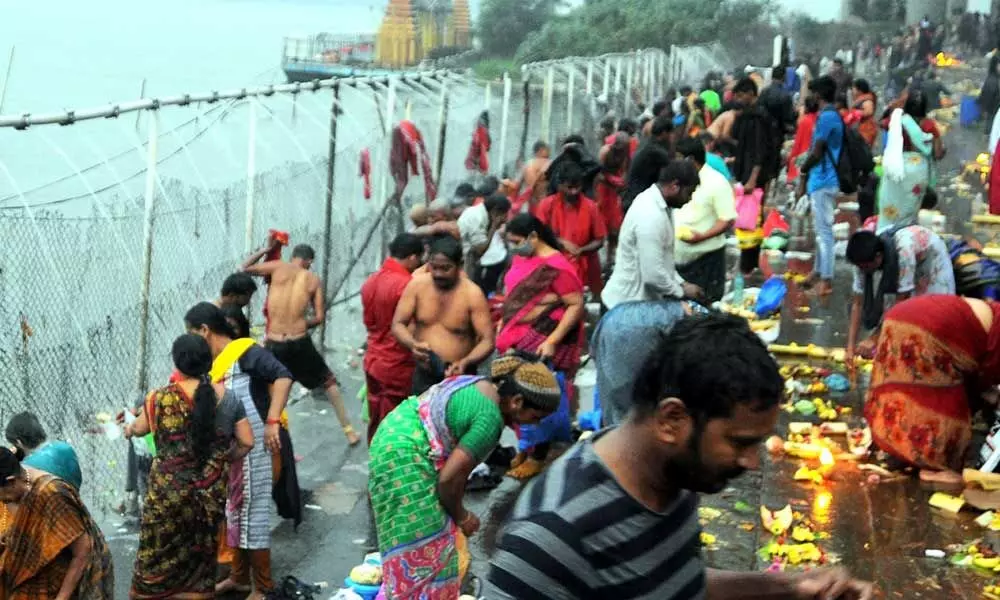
[{"x": 576, "y": 534}]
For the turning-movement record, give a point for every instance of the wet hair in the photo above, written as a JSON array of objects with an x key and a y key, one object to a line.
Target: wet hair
[
  {"x": 916, "y": 104},
  {"x": 686, "y": 90},
  {"x": 699, "y": 103},
  {"x": 779, "y": 73},
  {"x": 208, "y": 315},
  {"x": 304, "y": 251},
  {"x": 712, "y": 363},
  {"x": 539, "y": 146},
  {"x": 239, "y": 284},
  {"x": 862, "y": 85},
  {"x": 193, "y": 358},
  {"x": 837, "y": 61},
  {"x": 10, "y": 465},
  {"x": 449, "y": 247},
  {"x": 574, "y": 138},
  {"x": 526, "y": 224},
  {"x": 26, "y": 429},
  {"x": 489, "y": 186},
  {"x": 659, "y": 106},
  {"x": 706, "y": 138},
  {"x": 237, "y": 320},
  {"x": 607, "y": 124},
  {"x": 497, "y": 202},
  {"x": 628, "y": 126},
  {"x": 682, "y": 171},
  {"x": 406, "y": 245},
  {"x": 825, "y": 87},
  {"x": 745, "y": 86},
  {"x": 811, "y": 104},
  {"x": 570, "y": 174},
  {"x": 692, "y": 148},
  {"x": 466, "y": 191},
  {"x": 662, "y": 124},
  {"x": 864, "y": 247},
  {"x": 516, "y": 374}
]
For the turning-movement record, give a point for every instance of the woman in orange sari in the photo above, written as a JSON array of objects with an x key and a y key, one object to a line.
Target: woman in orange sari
[
  {"x": 864, "y": 103},
  {"x": 51, "y": 547},
  {"x": 803, "y": 137},
  {"x": 543, "y": 309},
  {"x": 936, "y": 357}
]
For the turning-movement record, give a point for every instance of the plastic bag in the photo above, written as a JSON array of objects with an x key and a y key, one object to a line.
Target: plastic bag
[
  {"x": 771, "y": 295},
  {"x": 748, "y": 208}
]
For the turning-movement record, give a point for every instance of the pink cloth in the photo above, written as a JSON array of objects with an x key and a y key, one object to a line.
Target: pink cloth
[{"x": 522, "y": 267}]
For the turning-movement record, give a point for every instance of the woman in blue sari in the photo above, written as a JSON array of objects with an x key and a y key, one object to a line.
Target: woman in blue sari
[{"x": 26, "y": 434}]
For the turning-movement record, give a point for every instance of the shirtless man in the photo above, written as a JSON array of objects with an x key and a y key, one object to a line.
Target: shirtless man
[
  {"x": 532, "y": 179},
  {"x": 293, "y": 289},
  {"x": 443, "y": 318}
]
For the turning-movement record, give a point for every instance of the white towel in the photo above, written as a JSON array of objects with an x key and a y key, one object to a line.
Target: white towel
[{"x": 892, "y": 157}]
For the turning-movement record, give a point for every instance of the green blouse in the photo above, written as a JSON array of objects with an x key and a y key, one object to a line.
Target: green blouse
[{"x": 475, "y": 421}]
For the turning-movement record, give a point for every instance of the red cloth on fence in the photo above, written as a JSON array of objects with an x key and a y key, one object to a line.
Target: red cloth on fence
[
  {"x": 409, "y": 156},
  {"x": 478, "y": 158},
  {"x": 365, "y": 170}
]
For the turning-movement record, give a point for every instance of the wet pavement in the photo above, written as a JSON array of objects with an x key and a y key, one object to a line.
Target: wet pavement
[{"x": 880, "y": 531}]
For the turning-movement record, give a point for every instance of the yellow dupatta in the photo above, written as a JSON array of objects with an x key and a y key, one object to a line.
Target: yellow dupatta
[{"x": 222, "y": 364}]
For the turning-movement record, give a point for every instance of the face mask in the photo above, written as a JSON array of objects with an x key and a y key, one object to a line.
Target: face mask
[{"x": 523, "y": 249}]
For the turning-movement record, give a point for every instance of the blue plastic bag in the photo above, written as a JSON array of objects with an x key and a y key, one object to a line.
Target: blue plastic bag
[
  {"x": 553, "y": 428},
  {"x": 771, "y": 295}
]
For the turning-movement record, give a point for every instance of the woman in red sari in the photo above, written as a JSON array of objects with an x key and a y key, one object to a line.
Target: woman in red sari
[
  {"x": 543, "y": 309},
  {"x": 614, "y": 157},
  {"x": 936, "y": 357},
  {"x": 803, "y": 136}
]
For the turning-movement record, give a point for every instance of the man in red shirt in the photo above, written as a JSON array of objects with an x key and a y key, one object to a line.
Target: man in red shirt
[
  {"x": 388, "y": 365},
  {"x": 577, "y": 222}
]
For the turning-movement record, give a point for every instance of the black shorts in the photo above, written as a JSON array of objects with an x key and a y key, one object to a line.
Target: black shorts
[{"x": 304, "y": 361}]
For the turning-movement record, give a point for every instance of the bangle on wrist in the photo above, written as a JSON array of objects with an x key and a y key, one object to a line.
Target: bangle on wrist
[{"x": 273, "y": 421}]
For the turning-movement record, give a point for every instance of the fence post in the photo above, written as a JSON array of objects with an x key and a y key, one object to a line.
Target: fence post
[
  {"x": 251, "y": 178},
  {"x": 607, "y": 78},
  {"x": 504, "y": 120},
  {"x": 526, "y": 90},
  {"x": 550, "y": 79},
  {"x": 142, "y": 368},
  {"x": 390, "y": 115},
  {"x": 442, "y": 134},
  {"x": 619, "y": 66},
  {"x": 629, "y": 81},
  {"x": 331, "y": 178},
  {"x": 569, "y": 100},
  {"x": 142, "y": 94},
  {"x": 590, "y": 77}
]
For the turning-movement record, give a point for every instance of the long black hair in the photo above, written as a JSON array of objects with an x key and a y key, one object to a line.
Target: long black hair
[
  {"x": 211, "y": 316},
  {"x": 10, "y": 465},
  {"x": 525, "y": 224},
  {"x": 193, "y": 358}
]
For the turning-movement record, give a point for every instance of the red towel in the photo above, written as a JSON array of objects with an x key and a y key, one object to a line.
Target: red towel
[
  {"x": 273, "y": 254},
  {"x": 366, "y": 172},
  {"x": 409, "y": 155}
]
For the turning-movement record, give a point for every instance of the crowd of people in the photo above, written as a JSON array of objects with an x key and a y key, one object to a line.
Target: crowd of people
[{"x": 476, "y": 321}]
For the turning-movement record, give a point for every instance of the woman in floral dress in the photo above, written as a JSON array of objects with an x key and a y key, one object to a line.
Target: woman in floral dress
[{"x": 936, "y": 357}]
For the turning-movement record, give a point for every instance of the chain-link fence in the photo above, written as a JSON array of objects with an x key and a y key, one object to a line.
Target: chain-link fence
[{"x": 176, "y": 192}]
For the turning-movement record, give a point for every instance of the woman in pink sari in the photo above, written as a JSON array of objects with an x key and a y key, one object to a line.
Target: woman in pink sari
[{"x": 543, "y": 309}]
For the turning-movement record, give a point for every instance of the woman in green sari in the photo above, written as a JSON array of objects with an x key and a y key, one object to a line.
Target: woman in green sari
[
  {"x": 907, "y": 163},
  {"x": 421, "y": 458}
]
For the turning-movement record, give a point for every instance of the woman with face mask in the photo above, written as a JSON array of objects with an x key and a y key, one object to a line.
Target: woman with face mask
[{"x": 543, "y": 309}]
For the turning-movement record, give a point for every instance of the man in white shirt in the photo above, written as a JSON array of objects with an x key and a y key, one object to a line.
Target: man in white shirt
[
  {"x": 482, "y": 243},
  {"x": 702, "y": 223},
  {"x": 644, "y": 265}
]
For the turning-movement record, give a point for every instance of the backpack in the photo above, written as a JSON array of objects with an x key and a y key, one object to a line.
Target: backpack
[{"x": 856, "y": 161}]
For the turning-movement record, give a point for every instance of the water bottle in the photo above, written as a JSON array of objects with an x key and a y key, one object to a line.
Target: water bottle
[{"x": 738, "y": 290}]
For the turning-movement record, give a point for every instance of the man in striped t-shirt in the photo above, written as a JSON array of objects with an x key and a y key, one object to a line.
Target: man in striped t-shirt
[{"x": 616, "y": 517}]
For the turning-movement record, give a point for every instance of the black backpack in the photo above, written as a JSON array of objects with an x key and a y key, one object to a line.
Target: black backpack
[{"x": 856, "y": 160}]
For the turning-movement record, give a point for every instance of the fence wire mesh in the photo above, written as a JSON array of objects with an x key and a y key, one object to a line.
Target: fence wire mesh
[{"x": 72, "y": 203}]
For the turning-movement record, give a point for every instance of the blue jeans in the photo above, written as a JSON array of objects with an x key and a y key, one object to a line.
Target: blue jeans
[{"x": 823, "y": 204}]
